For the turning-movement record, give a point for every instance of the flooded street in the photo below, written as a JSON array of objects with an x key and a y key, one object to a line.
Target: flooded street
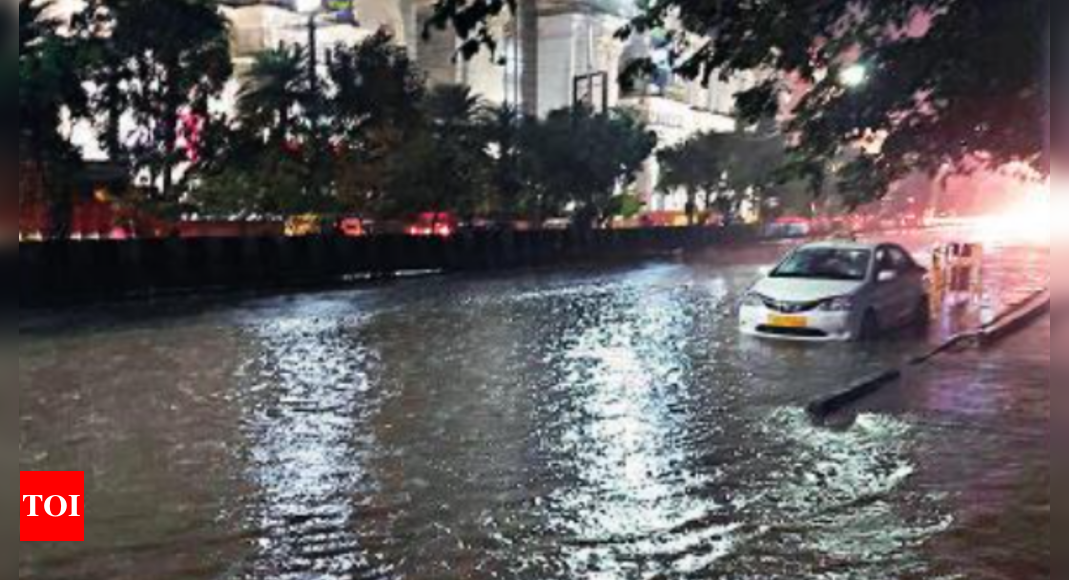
[{"x": 605, "y": 424}]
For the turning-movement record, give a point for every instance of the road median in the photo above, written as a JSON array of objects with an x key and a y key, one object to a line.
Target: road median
[
  {"x": 1016, "y": 318},
  {"x": 1013, "y": 319}
]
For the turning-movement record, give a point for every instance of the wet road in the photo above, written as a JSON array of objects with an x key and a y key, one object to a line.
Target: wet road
[
  {"x": 983, "y": 418},
  {"x": 601, "y": 424}
]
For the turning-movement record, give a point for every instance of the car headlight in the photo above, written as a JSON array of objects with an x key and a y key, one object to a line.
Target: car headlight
[
  {"x": 840, "y": 304},
  {"x": 753, "y": 299}
]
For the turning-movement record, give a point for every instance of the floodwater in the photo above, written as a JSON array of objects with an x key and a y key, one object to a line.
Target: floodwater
[{"x": 605, "y": 424}]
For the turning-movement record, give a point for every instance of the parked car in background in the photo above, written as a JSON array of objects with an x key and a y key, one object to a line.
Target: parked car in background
[
  {"x": 838, "y": 291},
  {"x": 431, "y": 224},
  {"x": 557, "y": 224},
  {"x": 789, "y": 227},
  {"x": 352, "y": 227},
  {"x": 303, "y": 226}
]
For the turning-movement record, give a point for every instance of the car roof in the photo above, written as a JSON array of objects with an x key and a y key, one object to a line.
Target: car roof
[{"x": 841, "y": 245}]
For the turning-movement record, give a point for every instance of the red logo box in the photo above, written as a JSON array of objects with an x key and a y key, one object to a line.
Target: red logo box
[{"x": 53, "y": 506}]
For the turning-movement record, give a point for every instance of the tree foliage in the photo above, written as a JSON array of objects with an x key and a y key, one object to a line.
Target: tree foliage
[
  {"x": 726, "y": 168},
  {"x": 506, "y": 130},
  {"x": 582, "y": 159},
  {"x": 372, "y": 85},
  {"x": 50, "y": 86},
  {"x": 156, "y": 60},
  {"x": 396, "y": 149},
  {"x": 49, "y": 83},
  {"x": 693, "y": 166},
  {"x": 274, "y": 88},
  {"x": 330, "y": 151},
  {"x": 950, "y": 83},
  {"x": 443, "y": 167},
  {"x": 374, "y": 107},
  {"x": 366, "y": 138},
  {"x": 250, "y": 178},
  {"x": 470, "y": 19}
]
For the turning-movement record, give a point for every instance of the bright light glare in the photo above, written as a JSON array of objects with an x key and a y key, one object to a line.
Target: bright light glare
[
  {"x": 307, "y": 6},
  {"x": 854, "y": 76},
  {"x": 1028, "y": 221}
]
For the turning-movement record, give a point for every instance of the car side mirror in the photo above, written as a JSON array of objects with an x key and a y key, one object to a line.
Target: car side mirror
[{"x": 886, "y": 276}]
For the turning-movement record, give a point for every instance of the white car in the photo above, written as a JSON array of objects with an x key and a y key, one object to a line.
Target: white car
[{"x": 838, "y": 291}]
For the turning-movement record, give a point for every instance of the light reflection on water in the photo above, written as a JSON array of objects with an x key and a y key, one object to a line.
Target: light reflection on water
[
  {"x": 312, "y": 401},
  {"x": 633, "y": 510}
]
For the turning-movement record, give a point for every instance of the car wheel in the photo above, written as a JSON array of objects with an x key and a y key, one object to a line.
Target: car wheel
[{"x": 870, "y": 327}]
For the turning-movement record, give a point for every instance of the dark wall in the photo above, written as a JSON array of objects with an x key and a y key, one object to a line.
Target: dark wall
[{"x": 58, "y": 273}]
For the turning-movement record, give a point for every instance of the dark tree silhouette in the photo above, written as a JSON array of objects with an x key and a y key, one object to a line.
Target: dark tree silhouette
[
  {"x": 158, "y": 60},
  {"x": 50, "y": 85},
  {"x": 947, "y": 83},
  {"x": 272, "y": 92}
]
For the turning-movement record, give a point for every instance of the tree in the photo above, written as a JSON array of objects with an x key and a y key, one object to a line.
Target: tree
[
  {"x": 372, "y": 85},
  {"x": 368, "y": 107},
  {"x": 752, "y": 164},
  {"x": 505, "y": 128},
  {"x": 159, "y": 60},
  {"x": 374, "y": 108},
  {"x": 246, "y": 177},
  {"x": 50, "y": 86},
  {"x": 443, "y": 168},
  {"x": 936, "y": 83},
  {"x": 582, "y": 159},
  {"x": 272, "y": 92},
  {"x": 272, "y": 162},
  {"x": 258, "y": 165},
  {"x": 728, "y": 168},
  {"x": 692, "y": 167}
]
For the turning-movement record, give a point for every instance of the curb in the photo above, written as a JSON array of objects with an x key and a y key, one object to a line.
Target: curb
[
  {"x": 1014, "y": 319},
  {"x": 951, "y": 344},
  {"x": 822, "y": 409}
]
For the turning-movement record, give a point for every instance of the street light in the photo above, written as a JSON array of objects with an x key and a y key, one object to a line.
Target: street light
[
  {"x": 854, "y": 76},
  {"x": 311, "y": 8}
]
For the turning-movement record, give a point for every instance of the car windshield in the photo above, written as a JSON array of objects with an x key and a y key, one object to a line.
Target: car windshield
[{"x": 826, "y": 264}]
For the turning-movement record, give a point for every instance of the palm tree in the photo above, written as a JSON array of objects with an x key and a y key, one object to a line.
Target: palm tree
[
  {"x": 727, "y": 167},
  {"x": 453, "y": 106},
  {"x": 581, "y": 158},
  {"x": 443, "y": 166},
  {"x": 689, "y": 166},
  {"x": 275, "y": 86}
]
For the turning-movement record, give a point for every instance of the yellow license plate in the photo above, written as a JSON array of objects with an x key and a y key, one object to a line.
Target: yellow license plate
[{"x": 788, "y": 321}]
